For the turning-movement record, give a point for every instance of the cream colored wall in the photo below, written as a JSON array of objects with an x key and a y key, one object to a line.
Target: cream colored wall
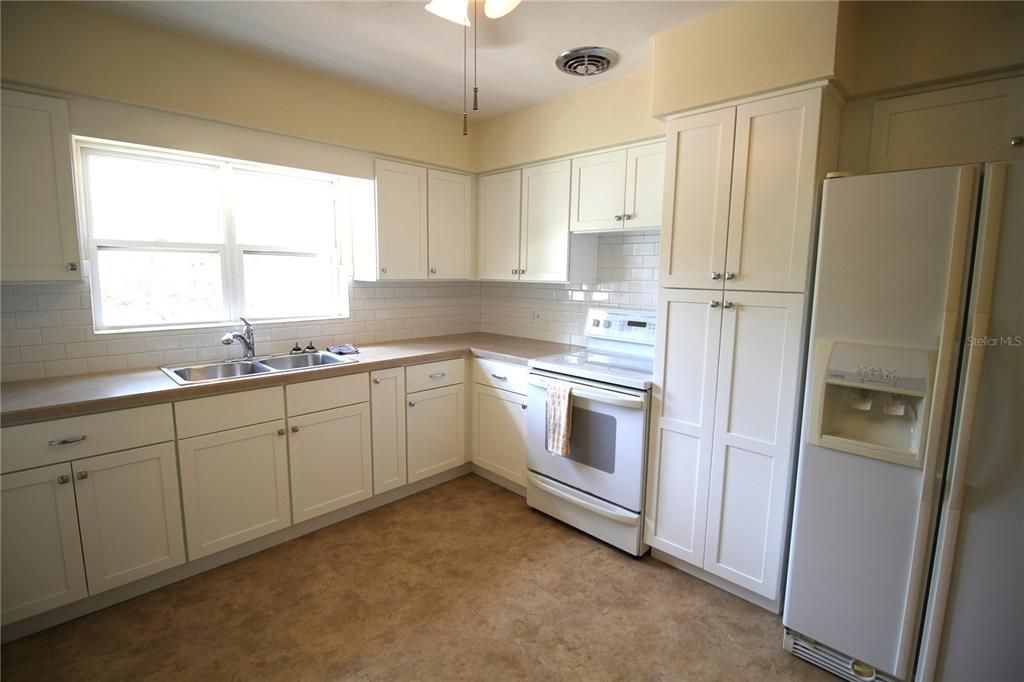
[
  {"x": 77, "y": 49},
  {"x": 744, "y": 50},
  {"x": 902, "y": 44},
  {"x": 610, "y": 113}
]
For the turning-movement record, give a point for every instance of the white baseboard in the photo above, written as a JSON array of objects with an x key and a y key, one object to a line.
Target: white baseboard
[
  {"x": 102, "y": 600},
  {"x": 773, "y": 605}
]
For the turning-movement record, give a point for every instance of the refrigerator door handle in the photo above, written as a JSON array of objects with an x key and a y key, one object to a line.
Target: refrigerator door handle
[
  {"x": 941, "y": 405},
  {"x": 988, "y": 244}
]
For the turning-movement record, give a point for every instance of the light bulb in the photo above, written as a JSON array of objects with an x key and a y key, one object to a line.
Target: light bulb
[
  {"x": 453, "y": 10},
  {"x": 495, "y": 9}
]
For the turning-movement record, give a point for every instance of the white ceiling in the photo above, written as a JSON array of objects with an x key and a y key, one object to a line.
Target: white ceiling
[{"x": 403, "y": 49}]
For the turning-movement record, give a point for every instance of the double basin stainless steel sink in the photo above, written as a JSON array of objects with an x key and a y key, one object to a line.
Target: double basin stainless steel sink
[{"x": 234, "y": 369}]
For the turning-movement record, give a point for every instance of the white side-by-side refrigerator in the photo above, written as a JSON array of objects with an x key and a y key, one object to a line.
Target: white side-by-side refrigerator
[{"x": 907, "y": 550}]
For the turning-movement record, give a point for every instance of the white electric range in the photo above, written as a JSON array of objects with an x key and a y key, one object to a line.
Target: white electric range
[{"x": 599, "y": 486}]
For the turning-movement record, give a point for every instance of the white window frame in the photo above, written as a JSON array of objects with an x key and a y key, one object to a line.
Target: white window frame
[{"x": 230, "y": 252}]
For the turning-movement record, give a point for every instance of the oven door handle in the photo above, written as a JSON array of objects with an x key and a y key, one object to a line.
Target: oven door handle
[
  {"x": 618, "y": 515},
  {"x": 598, "y": 395}
]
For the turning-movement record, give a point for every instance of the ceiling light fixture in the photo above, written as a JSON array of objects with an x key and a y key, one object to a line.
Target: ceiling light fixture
[
  {"x": 496, "y": 9},
  {"x": 452, "y": 10}
]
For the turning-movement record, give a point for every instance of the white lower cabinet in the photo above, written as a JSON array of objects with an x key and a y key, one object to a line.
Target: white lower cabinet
[
  {"x": 42, "y": 557},
  {"x": 724, "y": 423},
  {"x": 499, "y": 432},
  {"x": 387, "y": 423},
  {"x": 435, "y": 430},
  {"x": 129, "y": 512},
  {"x": 234, "y": 486},
  {"x": 330, "y": 460}
]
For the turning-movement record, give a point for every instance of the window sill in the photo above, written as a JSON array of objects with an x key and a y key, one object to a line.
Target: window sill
[{"x": 231, "y": 324}]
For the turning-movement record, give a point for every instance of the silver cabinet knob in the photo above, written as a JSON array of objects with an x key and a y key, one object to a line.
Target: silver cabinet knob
[
  {"x": 71, "y": 267},
  {"x": 82, "y": 475},
  {"x": 727, "y": 304},
  {"x": 1015, "y": 141},
  {"x": 730, "y": 275},
  {"x": 716, "y": 275},
  {"x": 384, "y": 270},
  {"x": 713, "y": 304},
  {"x": 62, "y": 479},
  {"x": 295, "y": 429},
  {"x": 515, "y": 271},
  {"x": 412, "y": 403},
  {"x": 376, "y": 381},
  {"x": 523, "y": 406},
  {"x": 618, "y": 218},
  {"x": 280, "y": 432},
  {"x": 629, "y": 216},
  {"x": 433, "y": 271}
]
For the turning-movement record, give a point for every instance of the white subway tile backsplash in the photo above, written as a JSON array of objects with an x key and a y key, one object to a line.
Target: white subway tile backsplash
[{"x": 47, "y": 328}]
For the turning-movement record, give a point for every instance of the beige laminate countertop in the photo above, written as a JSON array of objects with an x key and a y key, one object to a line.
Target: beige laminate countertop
[{"x": 22, "y": 402}]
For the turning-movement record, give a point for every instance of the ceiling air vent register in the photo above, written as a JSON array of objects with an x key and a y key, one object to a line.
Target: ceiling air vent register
[{"x": 586, "y": 61}]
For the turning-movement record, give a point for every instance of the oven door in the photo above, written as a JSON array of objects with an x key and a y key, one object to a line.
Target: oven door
[{"x": 606, "y": 444}]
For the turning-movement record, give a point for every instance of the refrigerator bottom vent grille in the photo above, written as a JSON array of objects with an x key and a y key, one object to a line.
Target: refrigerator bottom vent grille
[{"x": 827, "y": 659}]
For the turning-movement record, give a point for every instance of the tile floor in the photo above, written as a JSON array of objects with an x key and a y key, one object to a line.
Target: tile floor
[{"x": 462, "y": 581}]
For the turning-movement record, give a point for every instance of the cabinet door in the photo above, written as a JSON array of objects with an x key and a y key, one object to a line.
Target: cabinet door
[
  {"x": 774, "y": 187},
  {"x": 387, "y": 410},
  {"x": 450, "y": 225},
  {"x": 645, "y": 185},
  {"x": 401, "y": 220},
  {"x": 42, "y": 554},
  {"x": 499, "y": 432},
  {"x": 698, "y": 177},
  {"x": 544, "y": 245},
  {"x": 234, "y": 486},
  {"x": 129, "y": 510},
  {"x": 755, "y": 428},
  {"x": 39, "y": 235},
  {"x": 435, "y": 427},
  {"x": 683, "y": 414},
  {"x": 330, "y": 460},
  {"x": 500, "y": 199},
  {"x": 598, "y": 191}
]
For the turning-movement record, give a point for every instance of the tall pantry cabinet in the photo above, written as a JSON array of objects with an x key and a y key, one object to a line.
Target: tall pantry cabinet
[{"x": 741, "y": 197}]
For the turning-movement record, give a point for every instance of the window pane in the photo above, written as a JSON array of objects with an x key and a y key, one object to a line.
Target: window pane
[
  {"x": 286, "y": 211},
  {"x": 279, "y": 286},
  {"x": 139, "y": 288},
  {"x": 147, "y": 199}
]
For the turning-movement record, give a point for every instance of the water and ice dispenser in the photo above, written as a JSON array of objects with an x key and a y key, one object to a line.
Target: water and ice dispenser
[{"x": 871, "y": 400}]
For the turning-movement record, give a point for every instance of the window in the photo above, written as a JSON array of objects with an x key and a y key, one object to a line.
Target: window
[{"x": 179, "y": 240}]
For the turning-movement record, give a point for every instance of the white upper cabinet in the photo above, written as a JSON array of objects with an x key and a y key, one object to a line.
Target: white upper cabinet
[
  {"x": 645, "y": 186},
  {"x": 697, "y": 199},
  {"x": 41, "y": 552},
  {"x": 598, "y": 191},
  {"x": 396, "y": 246},
  {"x": 755, "y": 428},
  {"x": 450, "y": 225},
  {"x": 544, "y": 238},
  {"x": 39, "y": 233},
  {"x": 618, "y": 189},
  {"x": 742, "y": 190},
  {"x": 499, "y": 199},
  {"x": 949, "y": 127},
  {"x": 774, "y": 190}
]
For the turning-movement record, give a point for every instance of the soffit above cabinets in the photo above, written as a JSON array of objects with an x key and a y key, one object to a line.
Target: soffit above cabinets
[{"x": 400, "y": 48}]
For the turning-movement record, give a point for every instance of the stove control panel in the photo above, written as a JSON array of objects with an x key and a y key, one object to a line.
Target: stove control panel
[{"x": 634, "y": 326}]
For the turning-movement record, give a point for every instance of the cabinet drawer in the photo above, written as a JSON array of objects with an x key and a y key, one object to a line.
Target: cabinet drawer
[
  {"x": 61, "y": 440},
  {"x": 503, "y": 375},
  {"x": 434, "y": 375},
  {"x": 325, "y": 394},
  {"x": 222, "y": 412}
]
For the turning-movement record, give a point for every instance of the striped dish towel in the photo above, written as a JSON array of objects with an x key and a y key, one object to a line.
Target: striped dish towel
[{"x": 559, "y": 418}]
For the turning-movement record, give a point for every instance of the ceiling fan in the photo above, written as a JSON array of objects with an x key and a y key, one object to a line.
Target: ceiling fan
[{"x": 458, "y": 10}]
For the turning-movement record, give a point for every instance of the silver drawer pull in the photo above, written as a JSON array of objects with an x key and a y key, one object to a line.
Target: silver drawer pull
[
  {"x": 66, "y": 441},
  {"x": 82, "y": 475},
  {"x": 438, "y": 375},
  {"x": 499, "y": 377}
]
